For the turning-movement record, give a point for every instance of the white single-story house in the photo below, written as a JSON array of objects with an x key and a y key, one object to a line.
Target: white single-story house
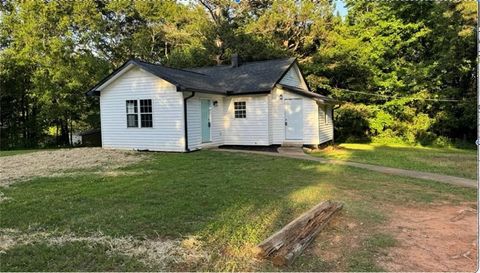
[{"x": 146, "y": 106}]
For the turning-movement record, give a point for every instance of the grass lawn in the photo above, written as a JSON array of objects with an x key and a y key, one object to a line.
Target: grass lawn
[
  {"x": 229, "y": 202},
  {"x": 18, "y": 152},
  {"x": 450, "y": 161}
]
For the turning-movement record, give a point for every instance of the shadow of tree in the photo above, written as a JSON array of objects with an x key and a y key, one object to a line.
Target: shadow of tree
[{"x": 231, "y": 201}]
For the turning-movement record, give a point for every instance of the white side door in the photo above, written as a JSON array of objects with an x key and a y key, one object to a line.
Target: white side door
[{"x": 294, "y": 119}]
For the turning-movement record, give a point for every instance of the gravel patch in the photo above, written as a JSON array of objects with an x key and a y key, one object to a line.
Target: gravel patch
[{"x": 53, "y": 163}]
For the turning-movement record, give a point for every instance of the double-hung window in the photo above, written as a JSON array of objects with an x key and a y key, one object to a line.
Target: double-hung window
[
  {"x": 145, "y": 113},
  {"x": 132, "y": 113},
  {"x": 240, "y": 109}
]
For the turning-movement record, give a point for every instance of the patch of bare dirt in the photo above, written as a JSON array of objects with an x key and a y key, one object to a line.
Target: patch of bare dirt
[
  {"x": 433, "y": 238},
  {"x": 156, "y": 253},
  {"x": 51, "y": 163},
  {"x": 330, "y": 245}
]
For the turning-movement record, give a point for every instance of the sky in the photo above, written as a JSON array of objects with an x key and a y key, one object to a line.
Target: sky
[{"x": 340, "y": 7}]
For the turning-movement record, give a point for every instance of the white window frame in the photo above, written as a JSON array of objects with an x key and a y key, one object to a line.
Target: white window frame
[
  {"x": 138, "y": 112},
  {"x": 240, "y": 109},
  {"x": 145, "y": 113},
  {"x": 134, "y": 113}
]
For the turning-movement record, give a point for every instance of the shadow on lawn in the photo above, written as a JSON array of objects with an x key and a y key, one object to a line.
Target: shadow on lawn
[
  {"x": 232, "y": 201},
  {"x": 448, "y": 161}
]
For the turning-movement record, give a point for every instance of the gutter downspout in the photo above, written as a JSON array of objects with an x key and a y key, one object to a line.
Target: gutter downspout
[{"x": 185, "y": 120}]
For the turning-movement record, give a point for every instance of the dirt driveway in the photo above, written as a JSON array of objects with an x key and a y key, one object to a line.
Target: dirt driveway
[
  {"x": 54, "y": 162},
  {"x": 435, "y": 238}
]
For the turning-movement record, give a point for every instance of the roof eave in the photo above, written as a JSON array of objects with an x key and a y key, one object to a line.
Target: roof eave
[
  {"x": 310, "y": 94},
  {"x": 190, "y": 89}
]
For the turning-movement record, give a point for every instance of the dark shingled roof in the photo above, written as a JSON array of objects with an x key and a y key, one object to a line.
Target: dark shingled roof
[
  {"x": 185, "y": 80},
  {"x": 250, "y": 77},
  {"x": 247, "y": 78}
]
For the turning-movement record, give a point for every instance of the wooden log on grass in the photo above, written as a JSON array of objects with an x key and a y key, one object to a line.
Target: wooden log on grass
[{"x": 289, "y": 242}]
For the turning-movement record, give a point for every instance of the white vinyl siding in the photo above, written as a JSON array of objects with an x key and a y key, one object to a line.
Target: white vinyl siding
[
  {"x": 252, "y": 130},
  {"x": 294, "y": 78},
  {"x": 271, "y": 115},
  {"x": 277, "y": 116},
  {"x": 310, "y": 122},
  {"x": 313, "y": 131},
  {"x": 195, "y": 125},
  {"x": 167, "y": 133}
]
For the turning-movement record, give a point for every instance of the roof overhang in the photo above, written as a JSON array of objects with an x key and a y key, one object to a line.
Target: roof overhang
[{"x": 308, "y": 94}]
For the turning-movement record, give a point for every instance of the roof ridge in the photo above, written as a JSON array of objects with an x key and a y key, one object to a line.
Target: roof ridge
[
  {"x": 242, "y": 63},
  {"x": 278, "y": 59}
]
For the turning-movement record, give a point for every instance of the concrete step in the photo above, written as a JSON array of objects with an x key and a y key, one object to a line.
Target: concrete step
[
  {"x": 292, "y": 144},
  {"x": 291, "y": 150}
]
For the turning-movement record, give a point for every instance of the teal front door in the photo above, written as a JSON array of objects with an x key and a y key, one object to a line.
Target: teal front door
[{"x": 205, "y": 120}]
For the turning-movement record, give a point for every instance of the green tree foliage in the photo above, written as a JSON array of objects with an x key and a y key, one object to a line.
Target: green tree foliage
[
  {"x": 412, "y": 54},
  {"x": 398, "y": 58}
]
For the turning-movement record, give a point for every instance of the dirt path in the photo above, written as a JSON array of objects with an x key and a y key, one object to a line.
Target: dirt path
[
  {"x": 54, "y": 162},
  {"x": 297, "y": 153},
  {"x": 434, "y": 238}
]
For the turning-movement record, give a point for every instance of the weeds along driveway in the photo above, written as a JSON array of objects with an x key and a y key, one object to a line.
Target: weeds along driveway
[{"x": 58, "y": 162}]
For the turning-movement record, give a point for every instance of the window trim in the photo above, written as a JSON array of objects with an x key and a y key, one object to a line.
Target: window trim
[
  {"x": 135, "y": 112},
  {"x": 145, "y": 113},
  {"x": 241, "y": 111},
  {"x": 138, "y": 112}
]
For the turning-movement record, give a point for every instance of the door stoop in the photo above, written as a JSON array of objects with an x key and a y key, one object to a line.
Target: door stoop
[{"x": 292, "y": 144}]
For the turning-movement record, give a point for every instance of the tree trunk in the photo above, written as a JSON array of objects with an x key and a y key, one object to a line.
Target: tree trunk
[
  {"x": 71, "y": 133},
  {"x": 64, "y": 132}
]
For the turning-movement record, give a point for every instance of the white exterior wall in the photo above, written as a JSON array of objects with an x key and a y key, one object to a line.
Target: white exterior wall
[
  {"x": 271, "y": 115},
  {"x": 315, "y": 131},
  {"x": 310, "y": 118},
  {"x": 195, "y": 124},
  {"x": 252, "y": 130},
  {"x": 325, "y": 123},
  {"x": 294, "y": 78},
  {"x": 167, "y": 133}
]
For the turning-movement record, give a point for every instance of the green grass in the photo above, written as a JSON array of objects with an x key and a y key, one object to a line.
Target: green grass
[
  {"x": 230, "y": 201},
  {"x": 449, "y": 161},
  {"x": 17, "y": 152},
  {"x": 364, "y": 259},
  {"x": 26, "y": 151},
  {"x": 76, "y": 256}
]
